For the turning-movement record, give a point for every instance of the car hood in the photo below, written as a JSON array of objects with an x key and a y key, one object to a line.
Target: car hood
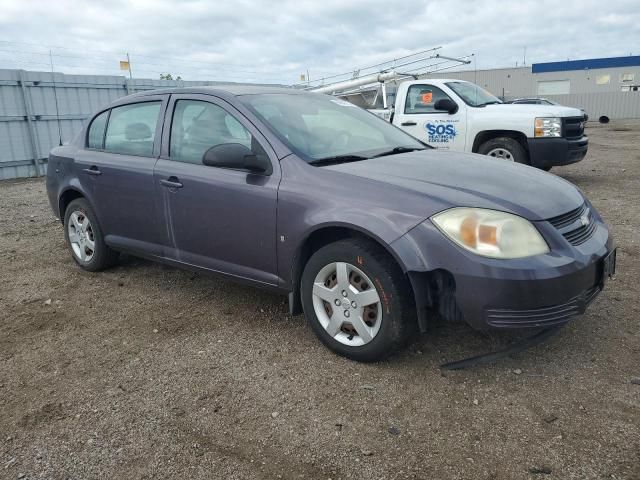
[
  {"x": 453, "y": 179},
  {"x": 534, "y": 110}
]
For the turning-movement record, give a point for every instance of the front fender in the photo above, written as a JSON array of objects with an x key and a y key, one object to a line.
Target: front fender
[
  {"x": 312, "y": 198},
  {"x": 292, "y": 267},
  {"x": 378, "y": 228},
  {"x": 420, "y": 251}
]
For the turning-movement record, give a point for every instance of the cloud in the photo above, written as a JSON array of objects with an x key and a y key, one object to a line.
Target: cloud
[{"x": 276, "y": 41}]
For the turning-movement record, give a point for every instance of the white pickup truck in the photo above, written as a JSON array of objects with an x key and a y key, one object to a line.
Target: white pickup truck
[{"x": 461, "y": 116}]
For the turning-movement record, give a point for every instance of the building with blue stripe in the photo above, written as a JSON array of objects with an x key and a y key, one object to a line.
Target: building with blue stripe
[{"x": 589, "y": 64}]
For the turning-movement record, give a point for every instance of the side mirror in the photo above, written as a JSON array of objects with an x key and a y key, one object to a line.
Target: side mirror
[
  {"x": 236, "y": 156},
  {"x": 447, "y": 105}
]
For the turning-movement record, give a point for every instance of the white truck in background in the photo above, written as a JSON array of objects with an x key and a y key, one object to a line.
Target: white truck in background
[{"x": 457, "y": 115}]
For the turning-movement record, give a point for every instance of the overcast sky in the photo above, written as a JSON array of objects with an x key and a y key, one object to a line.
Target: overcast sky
[{"x": 276, "y": 41}]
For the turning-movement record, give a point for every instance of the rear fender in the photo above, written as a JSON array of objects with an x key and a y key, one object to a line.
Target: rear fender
[{"x": 73, "y": 189}]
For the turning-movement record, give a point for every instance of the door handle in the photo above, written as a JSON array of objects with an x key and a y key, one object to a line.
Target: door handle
[
  {"x": 171, "y": 182},
  {"x": 408, "y": 124},
  {"x": 93, "y": 170}
]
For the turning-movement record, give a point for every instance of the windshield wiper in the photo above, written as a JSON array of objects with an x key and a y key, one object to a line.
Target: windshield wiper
[
  {"x": 338, "y": 159},
  {"x": 396, "y": 150},
  {"x": 493, "y": 102}
]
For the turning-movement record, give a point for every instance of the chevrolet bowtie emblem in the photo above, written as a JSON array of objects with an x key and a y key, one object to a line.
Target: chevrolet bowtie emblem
[{"x": 584, "y": 219}]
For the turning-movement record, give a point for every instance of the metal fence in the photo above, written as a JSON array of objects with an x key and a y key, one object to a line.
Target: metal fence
[{"x": 39, "y": 108}]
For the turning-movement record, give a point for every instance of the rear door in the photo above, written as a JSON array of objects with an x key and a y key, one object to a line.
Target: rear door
[
  {"x": 116, "y": 170},
  {"x": 439, "y": 129},
  {"x": 216, "y": 218}
]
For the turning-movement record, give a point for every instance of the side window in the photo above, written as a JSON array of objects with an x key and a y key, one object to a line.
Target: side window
[
  {"x": 132, "y": 129},
  {"x": 95, "y": 138},
  {"x": 197, "y": 126},
  {"x": 422, "y": 98}
]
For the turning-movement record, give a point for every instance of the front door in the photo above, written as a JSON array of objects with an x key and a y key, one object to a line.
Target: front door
[
  {"x": 216, "y": 218},
  {"x": 116, "y": 170},
  {"x": 439, "y": 129}
]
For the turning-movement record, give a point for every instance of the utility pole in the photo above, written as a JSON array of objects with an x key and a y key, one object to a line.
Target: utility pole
[
  {"x": 55, "y": 96},
  {"x": 524, "y": 57},
  {"x": 129, "y": 64}
]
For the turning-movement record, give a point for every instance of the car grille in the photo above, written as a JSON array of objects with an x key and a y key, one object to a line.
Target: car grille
[
  {"x": 582, "y": 234},
  {"x": 573, "y": 127},
  {"x": 572, "y": 227},
  {"x": 542, "y": 317}
]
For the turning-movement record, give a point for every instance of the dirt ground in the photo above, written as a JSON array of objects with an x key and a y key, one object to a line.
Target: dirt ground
[{"x": 145, "y": 371}]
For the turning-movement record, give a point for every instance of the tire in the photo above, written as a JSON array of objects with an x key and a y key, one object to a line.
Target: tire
[
  {"x": 85, "y": 240},
  {"x": 392, "y": 320},
  {"x": 505, "y": 147},
  {"x": 546, "y": 169}
]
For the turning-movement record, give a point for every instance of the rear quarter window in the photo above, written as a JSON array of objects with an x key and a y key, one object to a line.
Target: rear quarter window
[{"x": 95, "y": 138}]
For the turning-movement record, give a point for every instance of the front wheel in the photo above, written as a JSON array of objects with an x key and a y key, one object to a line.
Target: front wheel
[
  {"x": 505, "y": 148},
  {"x": 357, "y": 300}
]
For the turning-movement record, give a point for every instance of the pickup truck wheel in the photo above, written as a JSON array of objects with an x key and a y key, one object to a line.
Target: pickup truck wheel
[
  {"x": 357, "y": 300},
  {"x": 85, "y": 239},
  {"x": 504, "y": 148}
]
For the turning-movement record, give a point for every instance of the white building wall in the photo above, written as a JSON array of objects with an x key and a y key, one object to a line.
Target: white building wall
[{"x": 587, "y": 88}]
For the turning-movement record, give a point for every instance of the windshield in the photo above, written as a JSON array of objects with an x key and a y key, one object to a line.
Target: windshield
[
  {"x": 472, "y": 94},
  {"x": 318, "y": 127}
]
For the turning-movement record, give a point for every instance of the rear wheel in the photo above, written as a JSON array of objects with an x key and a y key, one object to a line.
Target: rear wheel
[
  {"x": 357, "y": 300},
  {"x": 85, "y": 238},
  {"x": 504, "y": 148}
]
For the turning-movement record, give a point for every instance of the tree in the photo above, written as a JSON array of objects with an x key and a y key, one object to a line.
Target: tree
[{"x": 168, "y": 76}]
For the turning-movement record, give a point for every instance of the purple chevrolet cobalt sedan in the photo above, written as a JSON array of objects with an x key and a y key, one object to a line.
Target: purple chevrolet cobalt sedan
[{"x": 370, "y": 232}]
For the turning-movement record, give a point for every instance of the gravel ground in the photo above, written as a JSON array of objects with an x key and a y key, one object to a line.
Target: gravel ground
[{"x": 145, "y": 371}]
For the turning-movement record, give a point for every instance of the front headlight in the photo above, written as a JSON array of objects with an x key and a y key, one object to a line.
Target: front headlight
[
  {"x": 491, "y": 233},
  {"x": 548, "y": 127}
]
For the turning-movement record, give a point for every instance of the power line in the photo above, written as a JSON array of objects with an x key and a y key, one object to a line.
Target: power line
[
  {"x": 122, "y": 53},
  {"x": 80, "y": 64},
  {"x": 105, "y": 61},
  {"x": 94, "y": 60},
  {"x": 195, "y": 71},
  {"x": 232, "y": 69}
]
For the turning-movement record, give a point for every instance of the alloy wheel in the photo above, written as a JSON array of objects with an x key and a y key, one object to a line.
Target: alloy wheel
[{"x": 81, "y": 236}]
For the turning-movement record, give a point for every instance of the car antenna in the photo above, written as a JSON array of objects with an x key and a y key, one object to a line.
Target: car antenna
[{"x": 55, "y": 96}]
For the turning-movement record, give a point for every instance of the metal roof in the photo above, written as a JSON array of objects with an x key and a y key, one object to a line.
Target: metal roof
[
  {"x": 234, "y": 90},
  {"x": 589, "y": 64}
]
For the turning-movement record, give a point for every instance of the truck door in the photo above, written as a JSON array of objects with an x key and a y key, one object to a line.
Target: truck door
[{"x": 419, "y": 118}]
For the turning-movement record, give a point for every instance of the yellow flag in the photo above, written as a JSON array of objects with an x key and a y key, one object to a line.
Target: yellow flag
[{"x": 124, "y": 65}]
